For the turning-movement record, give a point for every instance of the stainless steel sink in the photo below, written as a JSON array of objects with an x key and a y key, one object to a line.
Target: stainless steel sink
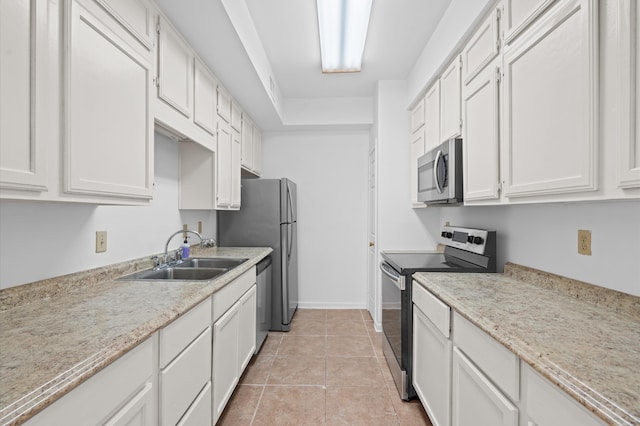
[
  {"x": 176, "y": 274},
  {"x": 194, "y": 269},
  {"x": 211, "y": 262}
]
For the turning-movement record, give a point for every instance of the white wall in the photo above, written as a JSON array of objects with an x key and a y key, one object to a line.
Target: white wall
[
  {"x": 42, "y": 240},
  {"x": 330, "y": 170},
  {"x": 545, "y": 237},
  {"x": 399, "y": 227}
]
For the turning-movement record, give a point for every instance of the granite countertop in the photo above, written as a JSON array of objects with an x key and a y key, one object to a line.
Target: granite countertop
[
  {"x": 583, "y": 338},
  {"x": 57, "y": 333}
]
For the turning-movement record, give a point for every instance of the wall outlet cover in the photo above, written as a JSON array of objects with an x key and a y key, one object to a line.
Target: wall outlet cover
[
  {"x": 101, "y": 241},
  {"x": 584, "y": 242}
]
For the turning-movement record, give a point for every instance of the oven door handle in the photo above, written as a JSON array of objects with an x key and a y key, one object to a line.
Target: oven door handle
[{"x": 398, "y": 280}]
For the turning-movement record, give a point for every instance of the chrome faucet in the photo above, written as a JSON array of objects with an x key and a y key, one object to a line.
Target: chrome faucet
[
  {"x": 165, "y": 257},
  {"x": 204, "y": 242}
]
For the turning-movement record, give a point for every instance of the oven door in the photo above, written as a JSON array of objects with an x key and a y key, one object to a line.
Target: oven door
[{"x": 396, "y": 327}]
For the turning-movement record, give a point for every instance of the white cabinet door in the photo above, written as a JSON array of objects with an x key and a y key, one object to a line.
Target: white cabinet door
[
  {"x": 481, "y": 137},
  {"x": 483, "y": 47},
  {"x": 236, "y": 150},
  {"x": 551, "y": 103},
  {"x": 204, "y": 98},
  {"x": 257, "y": 150},
  {"x": 519, "y": 14},
  {"x": 432, "y": 368},
  {"x": 224, "y": 165},
  {"x": 200, "y": 411},
  {"x": 417, "y": 116},
  {"x": 135, "y": 15},
  {"x": 417, "y": 149},
  {"x": 475, "y": 400},
  {"x": 174, "y": 69},
  {"x": 247, "y": 338},
  {"x": 224, "y": 104},
  {"x": 451, "y": 121},
  {"x": 226, "y": 332},
  {"x": 236, "y": 116},
  {"x": 138, "y": 411},
  {"x": 108, "y": 125},
  {"x": 247, "y": 142},
  {"x": 23, "y": 42},
  {"x": 432, "y": 117},
  {"x": 629, "y": 115}
]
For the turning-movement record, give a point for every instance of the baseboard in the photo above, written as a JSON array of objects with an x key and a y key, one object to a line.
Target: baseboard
[{"x": 325, "y": 305}]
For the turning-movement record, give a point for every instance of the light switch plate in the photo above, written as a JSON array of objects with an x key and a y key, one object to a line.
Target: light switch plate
[
  {"x": 101, "y": 241},
  {"x": 584, "y": 242}
]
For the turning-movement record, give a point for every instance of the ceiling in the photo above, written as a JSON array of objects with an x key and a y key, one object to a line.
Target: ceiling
[{"x": 287, "y": 35}]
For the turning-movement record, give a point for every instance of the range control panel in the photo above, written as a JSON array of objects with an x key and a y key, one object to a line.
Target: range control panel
[{"x": 469, "y": 239}]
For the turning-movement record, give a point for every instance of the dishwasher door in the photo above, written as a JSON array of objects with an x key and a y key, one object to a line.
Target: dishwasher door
[{"x": 263, "y": 290}]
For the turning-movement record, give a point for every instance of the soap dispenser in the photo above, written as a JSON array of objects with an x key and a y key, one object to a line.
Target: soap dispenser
[{"x": 184, "y": 248}]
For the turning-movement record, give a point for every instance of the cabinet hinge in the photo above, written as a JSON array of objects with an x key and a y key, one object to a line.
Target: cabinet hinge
[
  {"x": 498, "y": 75},
  {"x": 158, "y": 27},
  {"x": 499, "y": 187},
  {"x": 157, "y": 81},
  {"x": 460, "y": 62},
  {"x": 461, "y": 125},
  {"x": 498, "y": 44}
]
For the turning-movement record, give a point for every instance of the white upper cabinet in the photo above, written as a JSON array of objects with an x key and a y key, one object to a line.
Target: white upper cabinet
[
  {"x": 483, "y": 47},
  {"x": 519, "y": 14},
  {"x": 108, "y": 137},
  {"x": 481, "y": 137},
  {"x": 417, "y": 149},
  {"x": 228, "y": 168},
  {"x": 236, "y": 153},
  {"x": 629, "y": 115},
  {"x": 417, "y": 116},
  {"x": 450, "y": 113},
  {"x": 247, "y": 141},
  {"x": 224, "y": 104},
  {"x": 257, "y": 150},
  {"x": 204, "y": 98},
  {"x": 136, "y": 16},
  {"x": 236, "y": 116},
  {"x": 432, "y": 117},
  {"x": 23, "y": 43},
  {"x": 174, "y": 69},
  {"x": 551, "y": 103}
]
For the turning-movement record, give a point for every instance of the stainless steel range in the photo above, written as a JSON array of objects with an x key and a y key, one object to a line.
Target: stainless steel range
[{"x": 466, "y": 250}]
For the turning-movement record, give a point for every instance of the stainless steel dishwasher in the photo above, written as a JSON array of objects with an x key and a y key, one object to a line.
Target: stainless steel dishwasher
[{"x": 263, "y": 290}]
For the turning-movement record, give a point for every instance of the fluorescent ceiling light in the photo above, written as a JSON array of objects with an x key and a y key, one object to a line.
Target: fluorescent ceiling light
[{"x": 343, "y": 30}]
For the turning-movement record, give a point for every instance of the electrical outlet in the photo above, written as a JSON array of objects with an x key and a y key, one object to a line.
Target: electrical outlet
[
  {"x": 184, "y": 229},
  {"x": 584, "y": 242},
  {"x": 199, "y": 227},
  {"x": 101, "y": 241}
]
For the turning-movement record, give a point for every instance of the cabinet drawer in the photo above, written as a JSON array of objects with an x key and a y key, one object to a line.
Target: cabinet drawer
[
  {"x": 200, "y": 411},
  {"x": 177, "y": 335},
  {"x": 438, "y": 312},
  {"x": 500, "y": 364},
  {"x": 549, "y": 405},
  {"x": 232, "y": 292},
  {"x": 184, "y": 378}
]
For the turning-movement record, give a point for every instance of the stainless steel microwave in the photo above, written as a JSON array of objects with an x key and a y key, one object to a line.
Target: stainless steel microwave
[{"x": 440, "y": 174}]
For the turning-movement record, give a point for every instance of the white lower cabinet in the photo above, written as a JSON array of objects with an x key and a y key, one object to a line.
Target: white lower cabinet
[
  {"x": 124, "y": 393},
  {"x": 431, "y": 368},
  {"x": 200, "y": 411},
  {"x": 475, "y": 400},
  {"x": 234, "y": 336},
  {"x": 547, "y": 405}
]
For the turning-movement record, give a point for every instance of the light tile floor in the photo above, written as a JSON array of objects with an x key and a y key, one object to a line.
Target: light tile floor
[{"x": 327, "y": 370}]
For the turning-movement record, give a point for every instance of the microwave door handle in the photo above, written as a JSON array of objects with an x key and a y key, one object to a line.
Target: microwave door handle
[{"x": 435, "y": 171}]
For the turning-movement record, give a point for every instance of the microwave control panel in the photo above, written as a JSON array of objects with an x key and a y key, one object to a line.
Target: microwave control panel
[{"x": 469, "y": 239}]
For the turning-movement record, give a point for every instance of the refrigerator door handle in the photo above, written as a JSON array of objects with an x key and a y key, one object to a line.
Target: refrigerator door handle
[
  {"x": 293, "y": 214},
  {"x": 284, "y": 267}
]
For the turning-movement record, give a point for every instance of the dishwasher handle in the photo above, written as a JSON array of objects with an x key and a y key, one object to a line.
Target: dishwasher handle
[{"x": 396, "y": 278}]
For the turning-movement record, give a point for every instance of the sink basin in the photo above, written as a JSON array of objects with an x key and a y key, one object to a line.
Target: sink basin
[
  {"x": 194, "y": 269},
  {"x": 212, "y": 262},
  {"x": 176, "y": 274}
]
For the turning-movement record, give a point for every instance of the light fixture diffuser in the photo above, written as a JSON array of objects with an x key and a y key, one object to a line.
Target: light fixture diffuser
[{"x": 343, "y": 31}]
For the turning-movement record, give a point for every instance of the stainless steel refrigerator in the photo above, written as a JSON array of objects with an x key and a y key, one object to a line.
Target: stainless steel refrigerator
[{"x": 268, "y": 218}]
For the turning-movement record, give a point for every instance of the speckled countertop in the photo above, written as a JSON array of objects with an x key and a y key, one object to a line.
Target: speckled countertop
[
  {"x": 55, "y": 334},
  {"x": 583, "y": 338}
]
